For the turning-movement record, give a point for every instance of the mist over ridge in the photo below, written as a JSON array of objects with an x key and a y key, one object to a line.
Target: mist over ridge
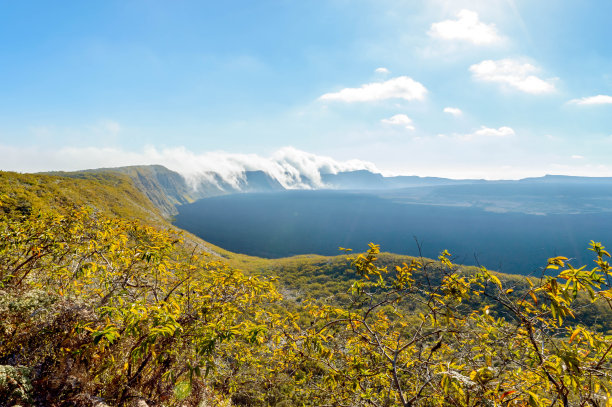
[{"x": 290, "y": 167}]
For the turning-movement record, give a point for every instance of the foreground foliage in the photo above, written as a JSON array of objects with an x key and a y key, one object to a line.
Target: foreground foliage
[
  {"x": 95, "y": 308},
  {"x": 381, "y": 352},
  {"x": 113, "y": 309}
]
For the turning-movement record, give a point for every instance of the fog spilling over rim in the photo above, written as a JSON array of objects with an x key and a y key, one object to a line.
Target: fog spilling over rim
[{"x": 292, "y": 168}]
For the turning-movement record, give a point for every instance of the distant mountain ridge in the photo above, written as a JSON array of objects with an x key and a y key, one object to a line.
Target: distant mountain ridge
[
  {"x": 168, "y": 189},
  {"x": 364, "y": 179}
]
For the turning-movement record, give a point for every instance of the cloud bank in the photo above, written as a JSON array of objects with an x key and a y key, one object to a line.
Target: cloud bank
[
  {"x": 593, "y": 100},
  {"x": 455, "y": 111},
  {"x": 503, "y": 131},
  {"x": 401, "y": 87},
  {"x": 467, "y": 27},
  {"x": 292, "y": 168},
  {"x": 484, "y": 133},
  {"x": 399, "y": 120},
  {"x": 512, "y": 73}
]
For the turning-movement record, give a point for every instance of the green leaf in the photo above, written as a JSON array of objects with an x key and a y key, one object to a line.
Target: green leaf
[{"x": 182, "y": 390}]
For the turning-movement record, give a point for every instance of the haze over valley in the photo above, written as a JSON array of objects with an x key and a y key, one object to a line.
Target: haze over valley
[{"x": 510, "y": 226}]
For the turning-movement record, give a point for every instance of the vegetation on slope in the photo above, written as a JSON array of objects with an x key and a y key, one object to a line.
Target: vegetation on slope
[
  {"x": 325, "y": 279},
  {"x": 165, "y": 188},
  {"x": 110, "y": 193},
  {"x": 97, "y": 308}
]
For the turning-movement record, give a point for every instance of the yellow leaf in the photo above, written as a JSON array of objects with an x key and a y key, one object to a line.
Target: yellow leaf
[
  {"x": 496, "y": 281},
  {"x": 574, "y": 334}
]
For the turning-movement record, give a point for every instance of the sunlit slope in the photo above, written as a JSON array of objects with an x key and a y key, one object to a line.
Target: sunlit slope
[
  {"x": 113, "y": 194},
  {"x": 165, "y": 188}
]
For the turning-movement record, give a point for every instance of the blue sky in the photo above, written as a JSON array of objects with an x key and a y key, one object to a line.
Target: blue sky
[{"x": 487, "y": 89}]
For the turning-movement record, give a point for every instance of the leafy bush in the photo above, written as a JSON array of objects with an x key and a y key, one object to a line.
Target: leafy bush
[
  {"x": 15, "y": 385},
  {"x": 94, "y": 308},
  {"x": 111, "y": 308},
  {"x": 379, "y": 352}
]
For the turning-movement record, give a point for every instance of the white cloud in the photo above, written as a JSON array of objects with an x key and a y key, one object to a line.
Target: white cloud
[
  {"x": 577, "y": 157},
  {"x": 294, "y": 169},
  {"x": 593, "y": 100},
  {"x": 401, "y": 87},
  {"x": 299, "y": 169},
  {"x": 483, "y": 133},
  {"x": 399, "y": 120},
  {"x": 382, "y": 70},
  {"x": 467, "y": 27},
  {"x": 513, "y": 73},
  {"x": 453, "y": 111},
  {"x": 503, "y": 131}
]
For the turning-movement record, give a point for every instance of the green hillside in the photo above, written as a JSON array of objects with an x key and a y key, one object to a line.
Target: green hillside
[
  {"x": 103, "y": 302},
  {"x": 165, "y": 188},
  {"x": 110, "y": 193}
]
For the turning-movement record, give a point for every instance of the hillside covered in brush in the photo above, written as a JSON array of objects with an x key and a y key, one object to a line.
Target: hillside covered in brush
[{"x": 103, "y": 302}]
